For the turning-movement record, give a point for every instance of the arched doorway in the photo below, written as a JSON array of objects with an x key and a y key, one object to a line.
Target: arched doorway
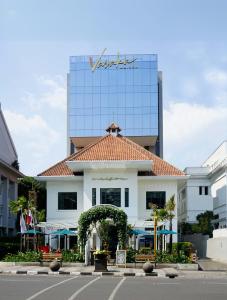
[{"x": 99, "y": 213}]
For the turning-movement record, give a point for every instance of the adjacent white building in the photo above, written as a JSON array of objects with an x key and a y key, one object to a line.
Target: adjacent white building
[
  {"x": 8, "y": 178},
  {"x": 113, "y": 170},
  {"x": 206, "y": 189},
  {"x": 217, "y": 164},
  {"x": 195, "y": 196}
]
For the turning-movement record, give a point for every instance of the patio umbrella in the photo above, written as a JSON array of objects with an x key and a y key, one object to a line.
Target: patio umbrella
[
  {"x": 138, "y": 231},
  {"x": 63, "y": 232},
  {"x": 165, "y": 231},
  {"x": 32, "y": 231}
]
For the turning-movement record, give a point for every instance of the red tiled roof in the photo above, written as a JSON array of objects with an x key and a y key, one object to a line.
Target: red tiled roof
[{"x": 113, "y": 148}]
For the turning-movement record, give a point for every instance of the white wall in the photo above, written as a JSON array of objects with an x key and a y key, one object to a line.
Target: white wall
[
  {"x": 217, "y": 248},
  {"x": 112, "y": 179},
  {"x": 219, "y": 193},
  {"x": 145, "y": 185},
  {"x": 63, "y": 216},
  {"x": 193, "y": 203},
  {"x": 108, "y": 179}
]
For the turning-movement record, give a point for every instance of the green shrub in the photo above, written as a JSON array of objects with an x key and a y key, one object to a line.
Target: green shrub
[
  {"x": 29, "y": 256},
  {"x": 165, "y": 257},
  {"x": 185, "y": 247},
  {"x": 131, "y": 253},
  {"x": 145, "y": 250},
  {"x": 72, "y": 256}
]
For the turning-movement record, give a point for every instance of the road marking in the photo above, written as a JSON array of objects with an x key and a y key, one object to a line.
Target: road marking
[
  {"x": 48, "y": 288},
  {"x": 111, "y": 297},
  {"x": 225, "y": 283},
  {"x": 82, "y": 288}
]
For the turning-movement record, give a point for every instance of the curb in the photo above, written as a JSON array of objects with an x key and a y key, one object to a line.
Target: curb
[{"x": 115, "y": 274}]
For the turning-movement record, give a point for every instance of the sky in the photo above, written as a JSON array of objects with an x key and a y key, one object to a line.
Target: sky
[{"x": 38, "y": 36}]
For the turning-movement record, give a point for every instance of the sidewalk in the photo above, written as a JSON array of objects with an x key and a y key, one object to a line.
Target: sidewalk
[
  {"x": 112, "y": 271},
  {"x": 212, "y": 265},
  {"x": 77, "y": 270}
]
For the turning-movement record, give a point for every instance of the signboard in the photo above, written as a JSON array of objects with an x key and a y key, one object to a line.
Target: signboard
[
  {"x": 119, "y": 63},
  {"x": 121, "y": 257}
]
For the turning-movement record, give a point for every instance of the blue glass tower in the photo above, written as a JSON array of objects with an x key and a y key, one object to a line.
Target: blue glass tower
[{"x": 125, "y": 89}]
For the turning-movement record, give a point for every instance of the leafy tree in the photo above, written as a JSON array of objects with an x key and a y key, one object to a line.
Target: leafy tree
[
  {"x": 107, "y": 233},
  {"x": 204, "y": 225},
  {"x": 31, "y": 195},
  {"x": 166, "y": 213},
  {"x": 160, "y": 214},
  {"x": 103, "y": 229},
  {"x": 27, "y": 185}
]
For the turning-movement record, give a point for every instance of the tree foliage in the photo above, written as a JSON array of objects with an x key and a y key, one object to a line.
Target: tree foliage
[
  {"x": 203, "y": 226},
  {"x": 166, "y": 213},
  {"x": 98, "y": 214},
  {"x": 170, "y": 208},
  {"x": 28, "y": 184}
]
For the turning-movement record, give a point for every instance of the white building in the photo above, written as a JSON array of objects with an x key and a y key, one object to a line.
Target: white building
[
  {"x": 217, "y": 164},
  {"x": 113, "y": 170},
  {"x": 194, "y": 197},
  {"x": 8, "y": 178},
  {"x": 206, "y": 189}
]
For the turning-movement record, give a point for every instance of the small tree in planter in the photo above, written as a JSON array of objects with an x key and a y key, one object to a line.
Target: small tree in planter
[{"x": 101, "y": 260}]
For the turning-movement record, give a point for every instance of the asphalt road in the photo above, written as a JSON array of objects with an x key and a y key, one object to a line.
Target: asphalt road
[{"x": 108, "y": 288}]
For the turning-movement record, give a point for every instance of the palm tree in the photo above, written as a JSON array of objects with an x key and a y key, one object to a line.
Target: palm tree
[
  {"x": 170, "y": 209},
  {"x": 159, "y": 214}
]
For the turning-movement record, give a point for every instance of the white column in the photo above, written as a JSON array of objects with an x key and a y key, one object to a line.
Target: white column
[
  {"x": 87, "y": 252},
  {"x": 98, "y": 242},
  {"x": 137, "y": 242}
]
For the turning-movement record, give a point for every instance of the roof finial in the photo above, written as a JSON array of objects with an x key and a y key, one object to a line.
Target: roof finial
[{"x": 113, "y": 129}]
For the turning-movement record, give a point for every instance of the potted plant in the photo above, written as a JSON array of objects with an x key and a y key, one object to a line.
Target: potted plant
[{"x": 101, "y": 260}]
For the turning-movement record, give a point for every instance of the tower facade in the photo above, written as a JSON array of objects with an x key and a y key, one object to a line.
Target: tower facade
[{"x": 125, "y": 89}]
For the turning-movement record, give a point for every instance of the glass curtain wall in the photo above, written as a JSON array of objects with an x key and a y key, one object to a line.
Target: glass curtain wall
[{"x": 123, "y": 93}]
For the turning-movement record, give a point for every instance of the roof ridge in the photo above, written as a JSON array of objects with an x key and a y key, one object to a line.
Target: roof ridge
[
  {"x": 151, "y": 154},
  {"x": 58, "y": 163},
  {"x": 138, "y": 148},
  {"x": 89, "y": 146}
]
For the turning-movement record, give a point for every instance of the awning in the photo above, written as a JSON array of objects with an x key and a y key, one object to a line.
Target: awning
[
  {"x": 63, "y": 232},
  {"x": 57, "y": 225}
]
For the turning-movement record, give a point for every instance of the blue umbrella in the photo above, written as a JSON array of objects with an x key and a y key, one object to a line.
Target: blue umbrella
[
  {"x": 32, "y": 231},
  {"x": 143, "y": 232},
  {"x": 63, "y": 232},
  {"x": 165, "y": 231},
  {"x": 138, "y": 231}
]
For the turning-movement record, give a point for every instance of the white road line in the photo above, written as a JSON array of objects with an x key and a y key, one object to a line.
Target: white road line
[
  {"x": 165, "y": 283},
  {"x": 111, "y": 297},
  {"x": 82, "y": 288},
  {"x": 48, "y": 288},
  {"x": 225, "y": 283}
]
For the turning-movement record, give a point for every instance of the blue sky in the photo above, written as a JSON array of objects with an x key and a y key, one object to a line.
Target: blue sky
[{"x": 37, "y": 38}]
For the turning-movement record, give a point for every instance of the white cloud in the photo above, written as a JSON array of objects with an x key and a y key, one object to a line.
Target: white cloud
[
  {"x": 36, "y": 142},
  {"x": 216, "y": 77},
  {"x": 53, "y": 95},
  {"x": 192, "y": 132}
]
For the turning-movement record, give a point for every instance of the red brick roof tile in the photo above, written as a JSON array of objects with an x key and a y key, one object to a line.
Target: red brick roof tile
[{"x": 114, "y": 148}]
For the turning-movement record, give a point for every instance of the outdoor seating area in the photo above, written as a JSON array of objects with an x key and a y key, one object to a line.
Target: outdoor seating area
[
  {"x": 48, "y": 257},
  {"x": 142, "y": 258}
]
